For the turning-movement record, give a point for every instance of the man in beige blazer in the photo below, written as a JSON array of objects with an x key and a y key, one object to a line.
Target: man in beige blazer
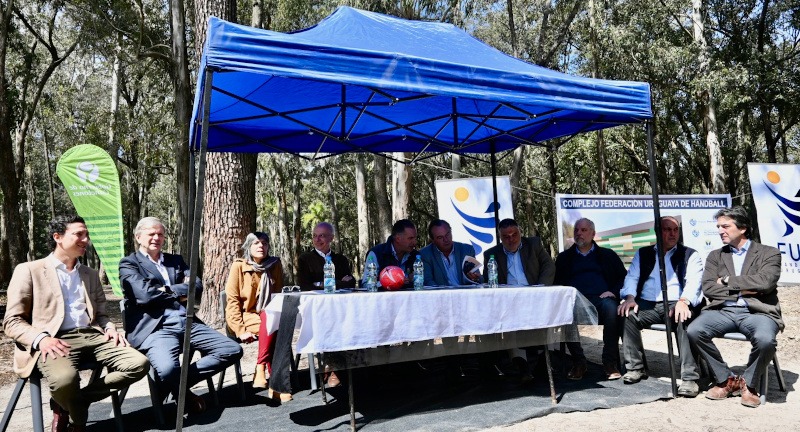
[{"x": 56, "y": 315}]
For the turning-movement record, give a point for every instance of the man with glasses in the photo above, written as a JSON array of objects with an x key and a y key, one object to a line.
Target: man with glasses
[{"x": 309, "y": 267}]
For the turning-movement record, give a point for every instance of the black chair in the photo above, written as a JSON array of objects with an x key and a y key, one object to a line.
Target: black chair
[
  {"x": 35, "y": 379},
  {"x": 237, "y": 367}
]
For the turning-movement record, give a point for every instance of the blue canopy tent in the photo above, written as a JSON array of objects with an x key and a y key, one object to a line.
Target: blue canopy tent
[{"x": 365, "y": 82}]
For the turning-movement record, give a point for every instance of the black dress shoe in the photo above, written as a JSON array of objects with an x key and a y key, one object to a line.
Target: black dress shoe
[{"x": 526, "y": 377}]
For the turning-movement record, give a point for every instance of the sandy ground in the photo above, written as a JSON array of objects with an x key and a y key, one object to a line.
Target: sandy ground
[{"x": 782, "y": 411}]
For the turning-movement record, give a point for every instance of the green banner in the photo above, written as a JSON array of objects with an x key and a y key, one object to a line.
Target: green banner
[{"x": 90, "y": 177}]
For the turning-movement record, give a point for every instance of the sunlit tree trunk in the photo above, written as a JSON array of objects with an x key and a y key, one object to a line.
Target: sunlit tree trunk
[
  {"x": 363, "y": 221},
  {"x": 182, "y": 111},
  {"x": 229, "y": 213},
  {"x": 384, "y": 221},
  {"x": 401, "y": 188},
  {"x": 602, "y": 181}
]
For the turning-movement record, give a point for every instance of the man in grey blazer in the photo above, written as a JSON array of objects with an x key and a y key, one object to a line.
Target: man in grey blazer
[
  {"x": 740, "y": 283},
  {"x": 444, "y": 258},
  {"x": 57, "y": 318}
]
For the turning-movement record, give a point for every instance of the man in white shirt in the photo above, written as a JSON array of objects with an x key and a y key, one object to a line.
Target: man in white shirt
[
  {"x": 643, "y": 303},
  {"x": 57, "y": 317}
]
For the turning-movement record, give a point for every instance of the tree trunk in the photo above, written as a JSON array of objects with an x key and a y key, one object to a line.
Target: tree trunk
[
  {"x": 363, "y": 211},
  {"x": 182, "y": 111},
  {"x": 512, "y": 29},
  {"x": 516, "y": 169},
  {"x": 31, "y": 205},
  {"x": 332, "y": 205},
  {"x": 297, "y": 225},
  {"x": 716, "y": 171},
  {"x": 401, "y": 188},
  {"x": 384, "y": 221},
  {"x": 46, "y": 144},
  {"x": 230, "y": 210},
  {"x": 455, "y": 164},
  {"x": 602, "y": 181},
  {"x": 257, "y": 19}
]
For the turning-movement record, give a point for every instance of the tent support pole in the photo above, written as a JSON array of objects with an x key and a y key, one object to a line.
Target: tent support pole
[
  {"x": 493, "y": 159},
  {"x": 189, "y": 221},
  {"x": 660, "y": 245},
  {"x": 194, "y": 252}
]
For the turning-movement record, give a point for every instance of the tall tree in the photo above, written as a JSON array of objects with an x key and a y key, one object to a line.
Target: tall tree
[{"x": 229, "y": 191}]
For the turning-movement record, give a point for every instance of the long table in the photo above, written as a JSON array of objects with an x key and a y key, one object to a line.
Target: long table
[{"x": 370, "y": 328}]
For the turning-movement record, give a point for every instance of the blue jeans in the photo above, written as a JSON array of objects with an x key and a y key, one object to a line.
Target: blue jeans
[{"x": 165, "y": 345}]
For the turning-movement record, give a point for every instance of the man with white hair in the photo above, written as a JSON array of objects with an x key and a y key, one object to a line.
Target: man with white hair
[{"x": 155, "y": 286}]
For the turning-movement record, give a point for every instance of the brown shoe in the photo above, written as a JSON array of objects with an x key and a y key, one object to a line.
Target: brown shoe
[
  {"x": 60, "y": 417},
  {"x": 194, "y": 404},
  {"x": 577, "y": 372},
  {"x": 750, "y": 397},
  {"x": 260, "y": 378},
  {"x": 612, "y": 371},
  {"x": 731, "y": 386}
]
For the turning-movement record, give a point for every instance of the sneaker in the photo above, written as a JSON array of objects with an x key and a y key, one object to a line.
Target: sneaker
[
  {"x": 634, "y": 376},
  {"x": 688, "y": 389}
]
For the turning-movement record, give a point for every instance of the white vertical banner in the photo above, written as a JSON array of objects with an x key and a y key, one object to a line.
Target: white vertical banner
[
  {"x": 776, "y": 193},
  {"x": 468, "y": 206}
]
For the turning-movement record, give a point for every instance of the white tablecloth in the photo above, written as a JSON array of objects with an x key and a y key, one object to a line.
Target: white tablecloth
[{"x": 340, "y": 322}]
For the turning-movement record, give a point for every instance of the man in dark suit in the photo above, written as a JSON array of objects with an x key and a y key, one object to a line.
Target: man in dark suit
[
  {"x": 740, "y": 282},
  {"x": 310, "y": 264},
  {"x": 155, "y": 286},
  {"x": 598, "y": 274},
  {"x": 444, "y": 258},
  {"x": 57, "y": 318},
  {"x": 520, "y": 261}
]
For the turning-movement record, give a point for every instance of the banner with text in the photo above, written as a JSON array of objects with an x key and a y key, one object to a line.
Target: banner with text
[
  {"x": 90, "y": 178},
  {"x": 468, "y": 206},
  {"x": 776, "y": 193},
  {"x": 625, "y": 222}
]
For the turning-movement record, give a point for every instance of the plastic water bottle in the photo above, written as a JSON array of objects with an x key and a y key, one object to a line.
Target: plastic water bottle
[
  {"x": 492, "y": 270},
  {"x": 330, "y": 275},
  {"x": 419, "y": 273},
  {"x": 371, "y": 273}
]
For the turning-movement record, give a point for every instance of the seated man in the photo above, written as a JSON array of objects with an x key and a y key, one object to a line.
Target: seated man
[
  {"x": 155, "y": 286},
  {"x": 444, "y": 258},
  {"x": 520, "y": 261},
  {"x": 643, "y": 305},
  {"x": 399, "y": 250},
  {"x": 740, "y": 282},
  {"x": 56, "y": 315},
  {"x": 598, "y": 274},
  {"x": 309, "y": 268}
]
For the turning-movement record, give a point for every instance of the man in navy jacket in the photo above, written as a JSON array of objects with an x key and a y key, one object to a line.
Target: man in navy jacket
[
  {"x": 598, "y": 274},
  {"x": 155, "y": 286}
]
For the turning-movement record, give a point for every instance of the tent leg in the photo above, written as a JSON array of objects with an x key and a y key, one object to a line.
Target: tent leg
[
  {"x": 194, "y": 252},
  {"x": 190, "y": 220},
  {"x": 660, "y": 245},
  {"x": 493, "y": 159}
]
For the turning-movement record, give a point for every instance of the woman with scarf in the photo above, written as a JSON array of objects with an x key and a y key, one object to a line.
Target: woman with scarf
[{"x": 252, "y": 281}]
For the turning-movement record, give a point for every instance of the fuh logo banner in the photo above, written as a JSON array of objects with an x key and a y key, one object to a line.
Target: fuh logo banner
[
  {"x": 90, "y": 177},
  {"x": 776, "y": 193}
]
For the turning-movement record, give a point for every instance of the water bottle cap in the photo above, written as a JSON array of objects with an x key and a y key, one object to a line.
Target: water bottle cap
[
  {"x": 491, "y": 256},
  {"x": 419, "y": 256}
]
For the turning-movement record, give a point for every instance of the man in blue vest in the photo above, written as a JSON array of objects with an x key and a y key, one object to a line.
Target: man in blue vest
[
  {"x": 643, "y": 305},
  {"x": 399, "y": 249},
  {"x": 444, "y": 258},
  {"x": 597, "y": 273}
]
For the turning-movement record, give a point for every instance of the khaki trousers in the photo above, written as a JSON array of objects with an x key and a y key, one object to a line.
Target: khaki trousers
[{"x": 125, "y": 366}]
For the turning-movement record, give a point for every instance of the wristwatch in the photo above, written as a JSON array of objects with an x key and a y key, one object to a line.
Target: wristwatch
[
  {"x": 685, "y": 301},
  {"x": 725, "y": 280}
]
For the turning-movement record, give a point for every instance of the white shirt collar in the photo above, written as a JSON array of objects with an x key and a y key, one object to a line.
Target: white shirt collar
[
  {"x": 58, "y": 264},
  {"x": 160, "y": 257},
  {"x": 323, "y": 254}
]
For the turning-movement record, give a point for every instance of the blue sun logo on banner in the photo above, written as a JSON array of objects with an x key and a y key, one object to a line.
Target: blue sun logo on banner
[
  {"x": 474, "y": 224},
  {"x": 786, "y": 205}
]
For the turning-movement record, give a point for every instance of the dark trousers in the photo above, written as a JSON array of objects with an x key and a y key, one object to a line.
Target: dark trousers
[
  {"x": 612, "y": 329},
  {"x": 760, "y": 330},
  {"x": 280, "y": 377},
  {"x": 653, "y": 313},
  {"x": 165, "y": 345}
]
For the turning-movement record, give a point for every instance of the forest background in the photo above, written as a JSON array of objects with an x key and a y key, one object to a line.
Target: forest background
[{"x": 120, "y": 74}]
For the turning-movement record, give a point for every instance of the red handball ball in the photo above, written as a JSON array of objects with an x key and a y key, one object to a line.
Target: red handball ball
[{"x": 392, "y": 278}]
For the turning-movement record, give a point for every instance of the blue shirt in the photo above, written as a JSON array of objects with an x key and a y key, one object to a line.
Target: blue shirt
[
  {"x": 451, "y": 268},
  {"x": 738, "y": 256},
  {"x": 516, "y": 273}
]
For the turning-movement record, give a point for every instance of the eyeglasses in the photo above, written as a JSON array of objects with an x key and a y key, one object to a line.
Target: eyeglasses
[{"x": 291, "y": 289}]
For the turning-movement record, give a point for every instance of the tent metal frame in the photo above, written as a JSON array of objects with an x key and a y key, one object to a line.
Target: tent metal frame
[{"x": 197, "y": 198}]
